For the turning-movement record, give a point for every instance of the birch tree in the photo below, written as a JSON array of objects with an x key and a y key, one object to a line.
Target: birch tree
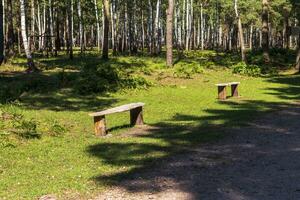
[
  {"x": 156, "y": 28},
  {"x": 30, "y": 63},
  {"x": 98, "y": 25},
  {"x": 80, "y": 26}
]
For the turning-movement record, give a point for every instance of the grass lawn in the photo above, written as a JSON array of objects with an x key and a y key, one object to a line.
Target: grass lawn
[{"x": 185, "y": 112}]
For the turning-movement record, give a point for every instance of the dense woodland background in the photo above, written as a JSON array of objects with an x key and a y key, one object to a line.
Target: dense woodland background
[
  {"x": 140, "y": 26},
  {"x": 63, "y": 59}
]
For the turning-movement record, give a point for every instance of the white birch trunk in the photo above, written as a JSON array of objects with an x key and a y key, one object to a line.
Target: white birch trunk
[
  {"x": 31, "y": 66},
  {"x": 98, "y": 26},
  {"x": 80, "y": 26}
]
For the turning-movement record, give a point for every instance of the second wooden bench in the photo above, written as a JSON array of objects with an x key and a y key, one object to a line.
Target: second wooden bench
[{"x": 222, "y": 95}]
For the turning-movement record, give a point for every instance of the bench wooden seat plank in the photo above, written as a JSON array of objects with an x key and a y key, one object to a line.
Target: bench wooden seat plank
[
  {"x": 234, "y": 83},
  {"x": 136, "y": 116},
  {"x": 222, "y": 84},
  {"x": 118, "y": 109}
]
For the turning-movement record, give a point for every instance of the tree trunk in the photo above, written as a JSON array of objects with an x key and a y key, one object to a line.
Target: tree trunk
[
  {"x": 298, "y": 55},
  {"x": 1, "y": 33},
  {"x": 40, "y": 28},
  {"x": 32, "y": 41},
  {"x": 188, "y": 25},
  {"x": 106, "y": 29},
  {"x": 98, "y": 26},
  {"x": 80, "y": 26},
  {"x": 169, "y": 39},
  {"x": 150, "y": 27},
  {"x": 240, "y": 28},
  {"x": 51, "y": 21},
  {"x": 251, "y": 37},
  {"x": 31, "y": 66},
  {"x": 70, "y": 29},
  {"x": 156, "y": 28},
  {"x": 202, "y": 27},
  {"x": 265, "y": 31},
  {"x": 9, "y": 46}
]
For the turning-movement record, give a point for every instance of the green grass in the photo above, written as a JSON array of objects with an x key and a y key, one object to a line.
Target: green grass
[{"x": 185, "y": 112}]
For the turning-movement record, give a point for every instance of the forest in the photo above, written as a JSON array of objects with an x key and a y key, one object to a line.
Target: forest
[
  {"x": 63, "y": 60},
  {"x": 49, "y": 27}
]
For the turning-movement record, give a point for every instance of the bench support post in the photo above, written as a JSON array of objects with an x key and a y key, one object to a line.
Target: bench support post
[
  {"x": 222, "y": 92},
  {"x": 234, "y": 90},
  {"x": 136, "y": 116},
  {"x": 100, "y": 125}
]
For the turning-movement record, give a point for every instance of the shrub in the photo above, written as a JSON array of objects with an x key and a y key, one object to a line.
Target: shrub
[
  {"x": 56, "y": 129},
  {"x": 185, "y": 70},
  {"x": 248, "y": 70},
  {"x": 26, "y": 128},
  {"x": 107, "y": 77},
  {"x": 13, "y": 123}
]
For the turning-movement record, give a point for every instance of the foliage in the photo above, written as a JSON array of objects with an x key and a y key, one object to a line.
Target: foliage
[
  {"x": 14, "y": 123},
  {"x": 244, "y": 69},
  {"x": 108, "y": 77},
  {"x": 187, "y": 70}
]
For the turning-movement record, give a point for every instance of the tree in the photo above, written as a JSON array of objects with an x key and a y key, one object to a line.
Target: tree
[
  {"x": 265, "y": 31},
  {"x": 80, "y": 26},
  {"x": 298, "y": 55},
  {"x": 98, "y": 24},
  {"x": 169, "y": 39},
  {"x": 70, "y": 28},
  {"x": 9, "y": 31},
  {"x": 106, "y": 29},
  {"x": 240, "y": 28},
  {"x": 30, "y": 63},
  {"x": 1, "y": 33}
]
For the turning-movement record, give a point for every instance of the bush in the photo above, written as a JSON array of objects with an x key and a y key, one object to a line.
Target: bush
[
  {"x": 26, "y": 128},
  {"x": 56, "y": 129},
  {"x": 248, "y": 70},
  {"x": 13, "y": 123},
  {"x": 107, "y": 77},
  {"x": 185, "y": 70}
]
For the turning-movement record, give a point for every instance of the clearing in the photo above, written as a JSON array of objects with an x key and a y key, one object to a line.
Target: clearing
[{"x": 259, "y": 161}]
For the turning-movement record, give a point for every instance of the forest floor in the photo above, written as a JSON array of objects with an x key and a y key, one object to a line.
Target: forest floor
[
  {"x": 258, "y": 161},
  {"x": 47, "y": 144}
]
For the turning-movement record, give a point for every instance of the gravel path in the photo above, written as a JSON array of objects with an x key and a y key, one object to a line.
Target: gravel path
[{"x": 261, "y": 161}]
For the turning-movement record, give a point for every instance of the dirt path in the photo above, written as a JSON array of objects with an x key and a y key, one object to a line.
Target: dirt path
[{"x": 261, "y": 161}]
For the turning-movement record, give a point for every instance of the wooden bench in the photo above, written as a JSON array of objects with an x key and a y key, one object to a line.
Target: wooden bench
[
  {"x": 136, "y": 116},
  {"x": 222, "y": 95}
]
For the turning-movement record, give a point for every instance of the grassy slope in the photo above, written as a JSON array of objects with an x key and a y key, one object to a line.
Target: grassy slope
[{"x": 185, "y": 110}]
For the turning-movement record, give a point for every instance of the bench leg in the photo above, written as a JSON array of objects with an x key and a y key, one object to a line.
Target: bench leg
[
  {"x": 234, "y": 91},
  {"x": 222, "y": 92},
  {"x": 136, "y": 116},
  {"x": 100, "y": 126}
]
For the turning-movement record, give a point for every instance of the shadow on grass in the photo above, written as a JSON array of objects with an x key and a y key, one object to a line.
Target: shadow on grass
[
  {"x": 45, "y": 91},
  {"x": 290, "y": 87},
  {"x": 155, "y": 156},
  {"x": 60, "y": 90}
]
